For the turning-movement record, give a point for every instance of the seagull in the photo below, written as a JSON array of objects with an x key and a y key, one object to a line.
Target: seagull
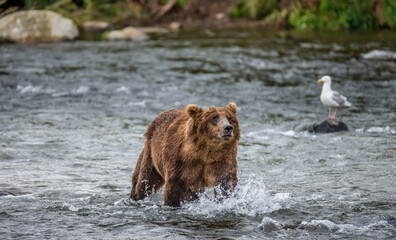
[{"x": 331, "y": 98}]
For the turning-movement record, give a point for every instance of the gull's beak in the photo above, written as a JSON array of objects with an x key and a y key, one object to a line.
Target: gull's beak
[{"x": 320, "y": 80}]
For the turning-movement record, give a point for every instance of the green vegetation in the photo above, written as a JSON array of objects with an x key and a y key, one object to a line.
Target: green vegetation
[
  {"x": 181, "y": 2},
  {"x": 334, "y": 15},
  {"x": 40, "y": 4},
  {"x": 322, "y": 15},
  {"x": 390, "y": 13},
  {"x": 254, "y": 9},
  {"x": 113, "y": 11}
]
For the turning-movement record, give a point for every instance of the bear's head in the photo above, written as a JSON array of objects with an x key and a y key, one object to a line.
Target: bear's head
[{"x": 216, "y": 124}]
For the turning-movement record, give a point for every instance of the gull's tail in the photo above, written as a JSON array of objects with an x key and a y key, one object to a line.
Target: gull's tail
[{"x": 347, "y": 104}]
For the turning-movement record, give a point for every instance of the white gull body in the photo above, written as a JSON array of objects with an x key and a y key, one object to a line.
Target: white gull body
[{"x": 330, "y": 98}]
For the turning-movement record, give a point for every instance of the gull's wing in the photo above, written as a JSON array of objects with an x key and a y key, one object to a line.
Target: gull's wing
[{"x": 338, "y": 98}]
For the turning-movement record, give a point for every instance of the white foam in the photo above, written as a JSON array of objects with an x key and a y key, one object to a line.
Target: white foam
[
  {"x": 281, "y": 196},
  {"x": 29, "y": 89},
  {"x": 328, "y": 225},
  {"x": 264, "y": 134},
  {"x": 250, "y": 198},
  {"x": 379, "y": 54},
  {"x": 259, "y": 135},
  {"x": 142, "y": 103},
  {"x": 122, "y": 89},
  {"x": 61, "y": 94},
  {"x": 70, "y": 207},
  {"x": 386, "y": 129},
  {"x": 290, "y": 133},
  {"x": 269, "y": 225},
  {"x": 82, "y": 90},
  {"x": 34, "y": 89},
  {"x": 360, "y": 130}
]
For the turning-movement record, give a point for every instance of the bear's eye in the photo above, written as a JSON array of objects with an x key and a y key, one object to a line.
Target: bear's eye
[
  {"x": 214, "y": 120},
  {"x": 229, "y": 119}
]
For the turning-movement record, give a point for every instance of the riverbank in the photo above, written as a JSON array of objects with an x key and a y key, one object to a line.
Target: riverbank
[{"x": 268, "y": 14}]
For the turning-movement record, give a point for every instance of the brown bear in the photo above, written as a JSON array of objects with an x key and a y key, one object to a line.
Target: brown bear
[{"x": 188, "y": 149}]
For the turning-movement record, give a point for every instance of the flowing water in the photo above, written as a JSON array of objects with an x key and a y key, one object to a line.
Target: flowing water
[{"x": 73, "y": 115}]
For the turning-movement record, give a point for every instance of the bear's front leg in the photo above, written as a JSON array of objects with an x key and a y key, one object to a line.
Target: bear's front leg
[
  {"x": 225, "y": 187},
  {"x": 222, "y": 176},
  {"x": 174, "y": 192}
]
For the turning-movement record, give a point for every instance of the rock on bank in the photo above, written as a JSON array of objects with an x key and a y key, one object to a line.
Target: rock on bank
[{"x": 35, "y": 26}]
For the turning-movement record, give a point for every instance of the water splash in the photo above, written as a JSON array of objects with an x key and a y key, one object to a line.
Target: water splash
[
  {"x": 379, "y": 54},
  {"x": 269, "y": 225},
  {"x": 386, "y": 129},
  {"x": 249, "y": 199}
]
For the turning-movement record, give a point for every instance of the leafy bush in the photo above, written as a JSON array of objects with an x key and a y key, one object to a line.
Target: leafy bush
[
  {"x": 255, "y": 9},
  {"x": 331, "y": 15},
  {"x": 335, "y": 15},
  {"x": 39, "y": 4},
  {"x": 389, "y": 13}
]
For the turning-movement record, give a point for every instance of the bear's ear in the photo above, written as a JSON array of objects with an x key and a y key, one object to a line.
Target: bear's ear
[
  {"x": 193, "y": 110},
  {"x": 232, "y": 106}
]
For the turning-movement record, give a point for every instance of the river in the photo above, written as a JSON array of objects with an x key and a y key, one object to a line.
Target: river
[{"x": 73, "y": 115}]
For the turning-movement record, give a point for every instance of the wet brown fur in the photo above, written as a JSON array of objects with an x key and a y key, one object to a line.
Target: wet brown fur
[{"x": 187, "y": 150}]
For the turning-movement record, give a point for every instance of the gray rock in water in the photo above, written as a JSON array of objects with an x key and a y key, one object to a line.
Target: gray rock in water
[
  {"x": 35, "y": 26},
  {"x": 329, "y": 126},
  {"x": 96, "y": 26},
  {"x": 128, "y": 33}
]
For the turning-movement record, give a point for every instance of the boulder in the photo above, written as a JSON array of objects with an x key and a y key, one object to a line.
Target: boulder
[
  {"x": 35, "y": 26},
  {"x": 329, "y": 126},
  {"x": 128, "y": 33},
  {"x": 115, "y": 35},
  {"x": 134, "y": 34},
  {"x": 95, "y": 26},
  {"x": 175, "y": 26}
]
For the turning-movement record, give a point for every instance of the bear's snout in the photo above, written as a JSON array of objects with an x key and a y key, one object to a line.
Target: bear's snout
[
  {"x": 225, "y": 130},
  {"x": 228, "y": 129}
]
